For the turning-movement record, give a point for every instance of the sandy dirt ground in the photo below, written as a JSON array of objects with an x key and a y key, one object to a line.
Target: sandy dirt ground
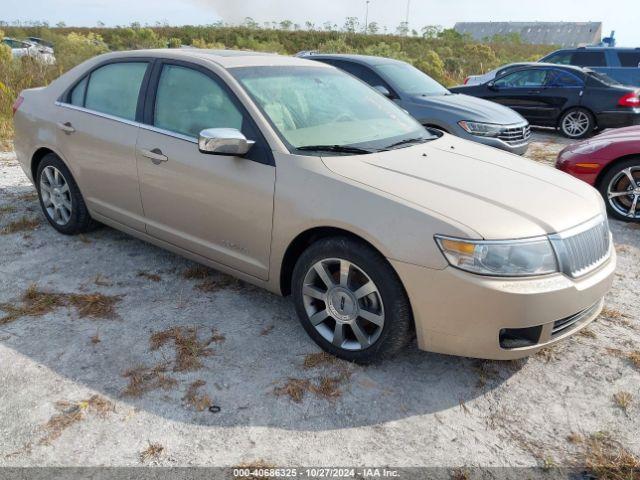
[{"x": 118, "y": 349}]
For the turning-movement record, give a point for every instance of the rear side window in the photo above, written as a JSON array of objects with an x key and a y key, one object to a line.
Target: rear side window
[
  {"x": 114, "y": 89},
  {"x": 188, "y": 101},
  {"x": 561, "y": 78},
  {"x": 629, "y": 59},
  {"x": 77, "y": 94},
  {"x": 588, "y": 59}
]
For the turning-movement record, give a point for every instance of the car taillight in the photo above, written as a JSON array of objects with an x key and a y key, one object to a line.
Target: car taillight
[
  {"x": 466, "y": 80},
  {"x": 630, "y": 100},
  {"x": 16, "y": 104}
]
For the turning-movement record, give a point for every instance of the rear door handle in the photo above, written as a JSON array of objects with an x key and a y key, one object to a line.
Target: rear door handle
[
  {"x": 156, "y": 155},
  {"x": 534, "y": 91},
  {"x": 66, "y": 127}
]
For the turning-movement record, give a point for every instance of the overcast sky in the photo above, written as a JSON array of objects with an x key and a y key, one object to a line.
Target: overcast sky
[{"x": 619, "y": 15}]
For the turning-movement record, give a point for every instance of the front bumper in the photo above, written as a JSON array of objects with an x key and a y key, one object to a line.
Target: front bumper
[
  {"x": 460, "y": 313},
  {"x": 518, "y": 148}
]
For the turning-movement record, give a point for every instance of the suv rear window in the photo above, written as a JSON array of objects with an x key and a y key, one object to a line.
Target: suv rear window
[
  {"x": 588, "y": 59},
  {"x": 629, "y": 59}
]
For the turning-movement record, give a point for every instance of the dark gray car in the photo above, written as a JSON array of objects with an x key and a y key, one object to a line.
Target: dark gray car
[{"x": 435, "y": 106}]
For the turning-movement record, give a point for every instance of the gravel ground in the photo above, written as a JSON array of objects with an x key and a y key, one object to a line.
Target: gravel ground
[{"x": 75, "y": 392}]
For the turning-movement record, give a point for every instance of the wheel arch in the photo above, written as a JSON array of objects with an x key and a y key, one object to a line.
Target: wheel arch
[
  {"x": 37, "y": 157},
  {"x": 303, "y": 240},
  {"x": 612, "y": 164}
]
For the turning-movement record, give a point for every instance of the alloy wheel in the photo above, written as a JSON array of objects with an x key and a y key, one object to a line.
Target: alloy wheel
[
  {"x": 343, "y": 304},
  {"x": 576, "y": 123},
  {"x": 56, "y": 196},
  {"x": 623, "y": 192}
]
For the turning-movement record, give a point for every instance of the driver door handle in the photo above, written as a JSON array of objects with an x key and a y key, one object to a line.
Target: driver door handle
[
  {"x": 156, "y": 155},
  {"x": 66, "y": 127}
]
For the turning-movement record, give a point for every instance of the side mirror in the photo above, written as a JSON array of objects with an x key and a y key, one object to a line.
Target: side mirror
[
  {"x": 224, "y": 141},
  {"x": 383, "y": 90},
  {"x": 492, "y": 86}
]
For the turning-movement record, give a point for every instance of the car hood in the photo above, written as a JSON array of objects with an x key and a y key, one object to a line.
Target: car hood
[
  {"x": 495, "y": 194},
  {"x": 626, "y": 133},
  {"x": 466, "y": 107}
]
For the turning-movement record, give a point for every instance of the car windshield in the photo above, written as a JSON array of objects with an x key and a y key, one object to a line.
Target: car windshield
[
  {"x": 324, "y": 107},
  {"x": 410, "y": 80}
]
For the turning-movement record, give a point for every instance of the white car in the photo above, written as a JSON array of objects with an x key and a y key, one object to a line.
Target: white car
[
  {"x": 20, "y": 48},
  {"x": 487, "y": 77}
]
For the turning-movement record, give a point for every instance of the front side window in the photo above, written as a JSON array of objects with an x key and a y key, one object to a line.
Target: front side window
[
  {"x": 363, "y": 73},
  {"x": 310, "y": 106},
  {"x": 114, "y": 89},
  {"x": 188, "y": 101},
  {"x": 408, "y": 79},
  {"x": 523, "y": 79}
]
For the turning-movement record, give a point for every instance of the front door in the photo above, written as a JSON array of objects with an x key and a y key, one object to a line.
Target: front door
[{"x": 217, "y": 206}]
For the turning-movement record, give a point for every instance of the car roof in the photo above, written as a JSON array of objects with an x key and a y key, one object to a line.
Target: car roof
[
  {"x": 224, "y": 58},
  {"x": 597, "y": 48},
  {"x": 363, "y": 59},
  {"x": 571, "y": 68}
]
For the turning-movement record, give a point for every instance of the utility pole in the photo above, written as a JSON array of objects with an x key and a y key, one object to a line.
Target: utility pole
[
  {"x": 366, "y": 18},
  {"x": 407, "y": 17}
]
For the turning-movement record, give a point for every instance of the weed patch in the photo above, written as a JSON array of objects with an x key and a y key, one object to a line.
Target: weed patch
[
  {"x": 152, "y": 452},
  {"x": 72, "y": 413},
  {"x": 195, "y": 399},
  {"x": 24, "y": 224},
  {"x": 189, "y": 348},
  {"x": 144, "y": 379}
]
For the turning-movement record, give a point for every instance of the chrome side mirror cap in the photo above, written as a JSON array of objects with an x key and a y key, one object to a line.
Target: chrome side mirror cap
[{"x": 224, "y": 141}]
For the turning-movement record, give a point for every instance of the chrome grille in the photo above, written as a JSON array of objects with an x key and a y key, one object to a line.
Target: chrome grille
[
  {"x": 584, "y": 248},
  {"x": 515, "y": 135}
]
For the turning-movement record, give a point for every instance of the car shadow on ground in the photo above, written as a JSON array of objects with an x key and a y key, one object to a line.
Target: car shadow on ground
[{"x": 255, "y": 360}]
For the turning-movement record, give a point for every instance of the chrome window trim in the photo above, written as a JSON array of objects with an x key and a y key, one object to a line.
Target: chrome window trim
[
  {"x": 133, "y": 123},
  {"x": 96, "y": 113}
]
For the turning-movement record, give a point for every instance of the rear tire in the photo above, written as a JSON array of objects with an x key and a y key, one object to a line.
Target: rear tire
[
  {"x": 617, "y": 181},
  {"x": 576, "y": 123},
  {"x": 351, "y": 301},
  {"x": 60, "y": 197}
]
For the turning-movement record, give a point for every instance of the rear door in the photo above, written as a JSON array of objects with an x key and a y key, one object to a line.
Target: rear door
[
  {"x": 217, "y": 206},
  {"x": 97, "y": 132}
]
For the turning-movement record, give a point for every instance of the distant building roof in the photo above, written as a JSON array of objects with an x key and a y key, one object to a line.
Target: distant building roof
[{"x": 564, "y": 34}]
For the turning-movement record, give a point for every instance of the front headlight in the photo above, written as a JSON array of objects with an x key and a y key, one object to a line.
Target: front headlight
[
  {"x": 500, "y": 258},
  {"x": 481, "y": 129}
]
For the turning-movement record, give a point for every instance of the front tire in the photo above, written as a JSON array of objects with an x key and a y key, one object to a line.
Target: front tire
[
  {"x": 60, "y": 197},
  {"x": 577, "y": 123},
  {"x": 350, "y": 301},
  {"x": 620, "y": 188}
]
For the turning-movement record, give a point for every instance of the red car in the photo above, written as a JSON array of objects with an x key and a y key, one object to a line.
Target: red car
[{"x": 611, "y": 163}]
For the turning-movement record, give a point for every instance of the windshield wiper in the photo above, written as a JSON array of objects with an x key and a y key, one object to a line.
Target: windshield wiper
[
  {"x": 334, "y": 148},
  {"x": 408, "y": 140}
]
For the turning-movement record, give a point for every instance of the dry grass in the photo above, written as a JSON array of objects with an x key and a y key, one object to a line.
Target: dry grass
[
  {"x": 154, "y": 277},
  {"x": 546, "y": 354},
  {"x": 296, "y": 388},
  {"x": 574, "y": 438},
  {"x": 623, "y": 400},
  {"x": 102, "y": 281},
  {"x": 634, "y": 358},
  {"x": 189, "y": 348},
  {"x": 487, "y": 371},
  {"x": 152, "y": 452},
  {"x": 266, "y": 330},
  {"x": 459, "y": 474},
  {"x": 144, "y": 379},
  {"x": 193, "y": 398},
  {"x": 84, "y": 239},
  {"x": 24, "y": 224},
  {"x": 5, "y": 209},
  {"x": 223, "y": 282},
  {"x": 587, "y": 332},
  {"x": 606, "y": 459},
  {"x": 28, "y": 197},
  {"x": 36, "y": 303},
  {"x": 317, "y": 359},
  {"x": 95, "y": 339},
  {"x": 197, "y": 272},
  {"x": 72, "y": 413},
  {"x": 94, "y": 305}
]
